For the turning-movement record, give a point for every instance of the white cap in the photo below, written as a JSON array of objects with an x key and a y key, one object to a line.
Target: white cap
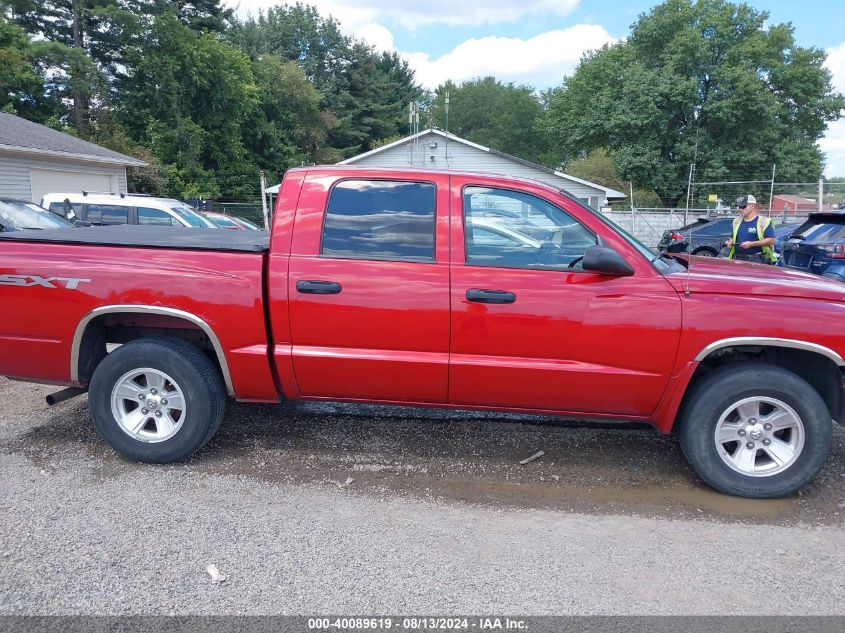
[{"x": 750, "y": 199}]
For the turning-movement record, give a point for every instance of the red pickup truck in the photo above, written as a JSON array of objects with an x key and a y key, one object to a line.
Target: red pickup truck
[{"x": 438, "y": 289}]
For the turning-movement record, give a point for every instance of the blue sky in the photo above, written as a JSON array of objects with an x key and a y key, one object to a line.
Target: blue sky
[
  {"x": 538, "y": 42},
  {"x": 815, "y": 22}
]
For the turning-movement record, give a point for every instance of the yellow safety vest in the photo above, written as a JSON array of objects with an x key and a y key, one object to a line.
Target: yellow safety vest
[{"x": 762, "y": 225}]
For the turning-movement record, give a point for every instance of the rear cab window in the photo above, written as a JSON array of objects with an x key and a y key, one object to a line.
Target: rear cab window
[{"x": 380, "y": 220}]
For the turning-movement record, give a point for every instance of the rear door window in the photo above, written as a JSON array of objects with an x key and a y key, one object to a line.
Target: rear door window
[
  {"x": 716, "y": 227},
  {"x": 105, "y": 214},
  {"x": 380, "y": 219}
]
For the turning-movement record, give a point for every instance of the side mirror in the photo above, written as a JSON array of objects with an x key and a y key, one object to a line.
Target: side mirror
[
  {"x": 82, "y": 224},
  {"x": 605, "y": 260}
]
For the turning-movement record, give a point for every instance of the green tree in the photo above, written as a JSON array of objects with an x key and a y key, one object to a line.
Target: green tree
[
  {"x": 188, "y": 97},
  {"x": 503, "y": 116},
  {"x": 81, "y": 42},
  {"x": 364, "y": 94},
  {"x": 287, "y": 129},
  {"x": 198, "y": 15},
  {"x": 372, "y": 98},
  {"x": 21, "y": 83},
  {"x": 296, "y": 33},
  {"x": 698, "y": 80},
  {"x": 598, "y": 167}
]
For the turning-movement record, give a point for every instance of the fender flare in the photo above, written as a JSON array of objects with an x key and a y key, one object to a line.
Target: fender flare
[
  {"x": 147, "y": 309},
  {"x": 770, "y": 342}
]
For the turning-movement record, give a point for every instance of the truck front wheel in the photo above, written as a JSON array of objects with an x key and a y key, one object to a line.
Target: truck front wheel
[
  {"x": 755, "y": 430},
  {"x": 156, "y": 400}
]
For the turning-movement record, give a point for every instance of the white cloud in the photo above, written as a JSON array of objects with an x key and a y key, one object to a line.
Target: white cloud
[
  {"x": 377, "y": 36},
  {"x": 411, "y": 14},
  {"x": 539, "y": 61},
  {"x": 833, "y": 143}
]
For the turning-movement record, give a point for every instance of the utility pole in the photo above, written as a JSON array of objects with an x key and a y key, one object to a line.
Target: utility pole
[
  {"x": 821, "y": 194},
  {"x": 263, "y": 184},
  {"x": 410, "y": 132},
  {"x": 446, "y": 144},
  {"x": 772, "y": 189}
]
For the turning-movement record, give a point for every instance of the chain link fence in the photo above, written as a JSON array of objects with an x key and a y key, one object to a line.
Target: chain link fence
[{"x": 784, "y": 202}]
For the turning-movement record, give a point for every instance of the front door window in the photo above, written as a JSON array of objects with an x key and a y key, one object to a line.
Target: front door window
[{"x": 511, "y": 229}]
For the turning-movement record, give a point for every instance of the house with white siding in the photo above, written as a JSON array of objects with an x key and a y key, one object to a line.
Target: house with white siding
[
  {"x": 437, "y": 149},
  {"x": 35, "y": 159}
]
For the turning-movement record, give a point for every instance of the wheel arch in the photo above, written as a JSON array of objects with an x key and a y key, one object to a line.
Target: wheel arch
[
  {"x": 87, "y": 341},
  {"x": 820, "y": 366},
  {"x": 764, "y": 341}
]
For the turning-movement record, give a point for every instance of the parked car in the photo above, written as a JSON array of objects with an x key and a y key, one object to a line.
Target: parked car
[
  {"x": 705, "y": 237},
  {"x": 18, "y": 215},
  {"x": 379, "y": 293},
  {"x": 231, "y": 222},
  {"x": 783, "y": 233},
  {"x": 818, "y": 246},
  {"x": 107, "y": 209},
  {"x": 26, "y": 203}
]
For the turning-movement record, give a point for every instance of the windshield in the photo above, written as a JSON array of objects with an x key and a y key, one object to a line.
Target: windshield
[
  {"x": 192, "y": 217},
  {"x": 19, "y": 216}
]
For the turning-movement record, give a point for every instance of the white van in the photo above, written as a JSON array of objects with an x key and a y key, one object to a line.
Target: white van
[{"x": 101, "y": 209}]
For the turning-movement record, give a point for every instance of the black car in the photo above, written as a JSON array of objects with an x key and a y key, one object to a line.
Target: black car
[
  {"x": 705, "y": 236},
  {"x": 818, "y": 246},
  {"x": 20, "y": 215}
]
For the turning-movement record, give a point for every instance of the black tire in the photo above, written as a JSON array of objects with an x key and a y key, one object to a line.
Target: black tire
[
  {"x": 196, "y": 376},
  {"x": 705, "y": 252},
  {"x": 717, "y": 391}
]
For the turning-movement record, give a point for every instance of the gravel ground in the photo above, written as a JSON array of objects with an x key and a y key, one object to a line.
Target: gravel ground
[{"x": 315, "y": 508}]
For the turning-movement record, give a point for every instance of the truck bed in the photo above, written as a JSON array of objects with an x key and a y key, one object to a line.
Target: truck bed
[{"x": 151, "y": 237}]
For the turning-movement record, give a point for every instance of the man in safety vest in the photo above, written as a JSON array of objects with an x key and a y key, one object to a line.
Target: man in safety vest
[{"x": 753, "y": 235}]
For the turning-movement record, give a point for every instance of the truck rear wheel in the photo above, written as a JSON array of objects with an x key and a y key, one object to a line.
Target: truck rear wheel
[
  {"x": 156, "y": 400},
  {"x": 755, "y": 430}
]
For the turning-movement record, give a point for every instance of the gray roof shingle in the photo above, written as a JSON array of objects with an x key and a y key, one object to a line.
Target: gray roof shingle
[{"x": 21, "y": 135}]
